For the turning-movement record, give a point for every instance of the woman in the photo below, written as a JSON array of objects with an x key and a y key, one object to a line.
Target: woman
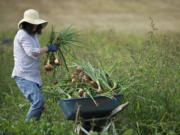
[{"x": 27, "y": 53}]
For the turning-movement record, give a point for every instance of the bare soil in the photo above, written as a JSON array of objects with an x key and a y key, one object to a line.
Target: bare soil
[{"x": 119, "y": 15}]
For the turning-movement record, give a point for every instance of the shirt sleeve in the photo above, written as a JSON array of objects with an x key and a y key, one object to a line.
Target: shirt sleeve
[{"x": 28, "y": 46}]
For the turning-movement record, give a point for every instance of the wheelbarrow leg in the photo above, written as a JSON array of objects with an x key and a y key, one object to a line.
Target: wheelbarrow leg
[
  {"x": 114, "y": 129},
  {"x": 84, "y": 130},
  {"x": 81, "y": 130},
  {"x": 111, "y": 124},
  {"x": 77, "y": 129},
  {"x": 107, "y": 127}
]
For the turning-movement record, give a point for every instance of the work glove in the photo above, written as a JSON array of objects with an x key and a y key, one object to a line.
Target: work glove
[{"x": 52, "y": 47}]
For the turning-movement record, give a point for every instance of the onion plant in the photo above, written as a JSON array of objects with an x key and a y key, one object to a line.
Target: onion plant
[{"x": 64, "y": 40}]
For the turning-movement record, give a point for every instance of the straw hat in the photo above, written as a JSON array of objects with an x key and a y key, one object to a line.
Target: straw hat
[{"x": 32, "y": 16}]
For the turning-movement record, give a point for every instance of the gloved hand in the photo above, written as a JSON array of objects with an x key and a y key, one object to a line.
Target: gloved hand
[{"x": 52, "y": 47}]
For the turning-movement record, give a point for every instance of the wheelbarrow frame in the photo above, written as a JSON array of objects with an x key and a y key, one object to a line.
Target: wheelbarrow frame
[
  {"x": 80, "y": 129},
  {"x": 79, "y": 108}
]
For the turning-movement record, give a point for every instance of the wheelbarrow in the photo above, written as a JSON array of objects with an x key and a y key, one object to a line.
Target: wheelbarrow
[{"x": 97, "y": 115}]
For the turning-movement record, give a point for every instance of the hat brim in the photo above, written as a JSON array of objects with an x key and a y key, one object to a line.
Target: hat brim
[{"x": 35, "y": 22}]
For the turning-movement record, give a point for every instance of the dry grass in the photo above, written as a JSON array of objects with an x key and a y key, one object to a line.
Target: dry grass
[{"x": 121, "y": 15}]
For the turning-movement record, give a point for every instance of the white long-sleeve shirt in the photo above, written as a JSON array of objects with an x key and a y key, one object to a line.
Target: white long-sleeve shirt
[{"x": 26, "y": 65}]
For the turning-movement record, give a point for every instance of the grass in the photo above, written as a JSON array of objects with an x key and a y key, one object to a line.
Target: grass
[{"x": 147, "y": 68}]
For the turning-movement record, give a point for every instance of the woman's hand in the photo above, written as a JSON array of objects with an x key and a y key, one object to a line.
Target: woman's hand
[{"x": 42, "y": 50}]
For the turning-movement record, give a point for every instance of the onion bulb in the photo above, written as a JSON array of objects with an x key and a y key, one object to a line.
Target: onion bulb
[
  {"x": 58, "y": 62},
  {"x": 85, "y": 94},
  {"x": 55, "y": 82},
  {"x": 78, "y": 69},
  {"x": 48, "y": 67},
  {"x": 93, "y": 83},
  {"x": 80, "y": 92},
  {"x": 85, "y": 78},
  {"x": 99, "y": 91},
  {"x": 81, "y": 75},
  {"x": 74, "y": 80}
]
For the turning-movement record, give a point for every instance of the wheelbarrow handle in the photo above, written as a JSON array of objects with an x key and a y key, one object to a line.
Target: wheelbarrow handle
[{"x": 119, "y": 109}]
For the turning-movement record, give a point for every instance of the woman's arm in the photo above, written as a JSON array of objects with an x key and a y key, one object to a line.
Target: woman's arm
[{"x": 42, "y": 50}]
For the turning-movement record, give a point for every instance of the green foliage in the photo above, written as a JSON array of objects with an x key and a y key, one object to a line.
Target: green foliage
[
  {"x": 145, "y": 67},
  {"x": 33, "y": 127},
  {"x": 128, "y": 132}
]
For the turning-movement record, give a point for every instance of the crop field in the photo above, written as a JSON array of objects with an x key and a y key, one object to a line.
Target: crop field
[{"x": 144, "y": 61}]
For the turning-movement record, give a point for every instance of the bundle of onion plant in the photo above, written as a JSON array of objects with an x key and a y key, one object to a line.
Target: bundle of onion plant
[
  {"x": 97, "y": 77},
  {"x": 87, "y": 80},
  {"x": 64, "y": 40}
]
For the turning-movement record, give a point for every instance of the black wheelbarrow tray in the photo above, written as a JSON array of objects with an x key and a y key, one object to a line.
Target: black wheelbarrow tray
[{"x": 87, "y": 107}]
